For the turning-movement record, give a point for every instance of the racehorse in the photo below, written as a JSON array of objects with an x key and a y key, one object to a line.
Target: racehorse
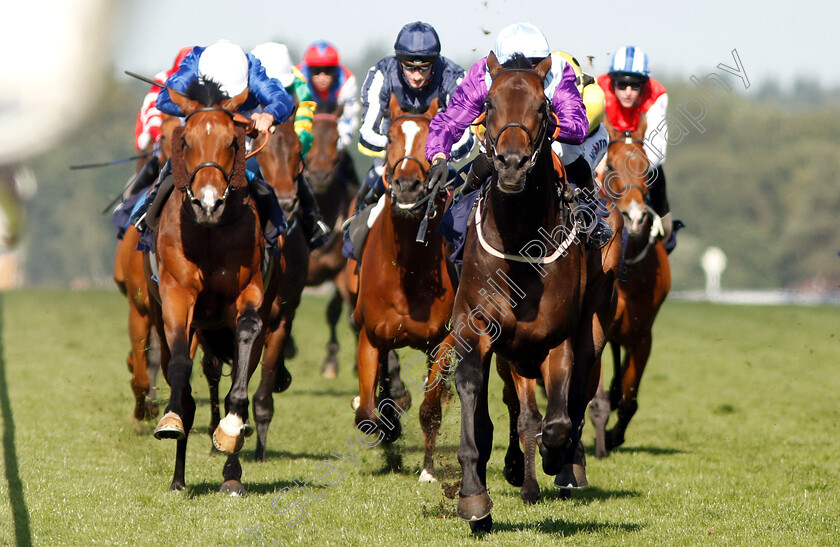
[
  {"x": 144, "y": 357},
  {"x": 529, "y": 293},
  {"x": 333, "y": 180},
  {"x": 641, "y": 295},
  {"x": 209, "y": 251},
  {"x": 405, "y": 293}
]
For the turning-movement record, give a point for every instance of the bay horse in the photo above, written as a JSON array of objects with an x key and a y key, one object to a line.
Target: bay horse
[
  {"x": 333, "y": 180},
  {"x": 404, "y": 290},
  {"x": 647, "y": 284},
  {"x": 208, "y": 260},
  {"x": 529, "y": 293},
  {"x": 144, "y": 356}
]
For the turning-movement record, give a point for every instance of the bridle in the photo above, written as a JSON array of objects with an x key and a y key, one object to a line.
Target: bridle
[
  {"x": 228, "y": 175},
  {"x": 533, "y": 142},
  {"x": 627, "y": 138},
  {"x": 391, "y": 167}
]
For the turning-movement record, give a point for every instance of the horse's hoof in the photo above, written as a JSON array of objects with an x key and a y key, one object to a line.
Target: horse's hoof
[
  {"x": 227, "y": 444},
  {"x": 170, "y": 427},
  {"x": 530, "y": 493},
  {"x": 355, "y": 403},
  {"x": 329, "y": 369},
  {"x": 290, "y": 348},
  {"x": 247, "y": 429},
  {"x": 282, "y": 381},
  {"x": 425, "y": 476},
  {"x": 176, "y": 486},
  {"x": 233, "y": 488},
  {"x": 572, "y": 475},
  {"x": 475, "y": 508},
  {"x": 393, "y": 433},
  {"x": 482, "y": 526}
]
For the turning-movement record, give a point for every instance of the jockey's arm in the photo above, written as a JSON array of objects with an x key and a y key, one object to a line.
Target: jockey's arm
[
  {"x": 371, "y": 142},
  {"x": 657, "y": 130}
]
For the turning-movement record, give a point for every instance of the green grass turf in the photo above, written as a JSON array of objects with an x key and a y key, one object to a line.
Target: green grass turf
[{"x": 735, "y": 442}]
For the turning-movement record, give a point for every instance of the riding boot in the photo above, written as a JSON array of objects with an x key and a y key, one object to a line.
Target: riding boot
[
  {"x": 310, "y": 218},
  {"x": 138, "y": 217},
  {"x": 271, "y": 215},
  {"x": 147, "y": 176},
  {"x": 658, "y": 198}
]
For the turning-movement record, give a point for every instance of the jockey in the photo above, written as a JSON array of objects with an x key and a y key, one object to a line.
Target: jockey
[
  {"x": 147, "y": 127},
  {"x": 631, "y": 92},
  {"x": 277, "y": 62},
  {"x": 147, "y": 135},
  {"x": 235, "y": 71},
  {"x": 577, "y": 140},
  {"x": 333, "y": 86},
  {"x": 416, "y": 74},
  {"x": 468, "y": 102}
]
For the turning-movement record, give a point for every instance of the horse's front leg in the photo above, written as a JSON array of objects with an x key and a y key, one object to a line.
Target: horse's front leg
[
  {"x": 369, "y": 358},
  {"x": 231, "y": 432},
  {"x": 638, "y": 352},
  {"x": 520, "y": 394},
  {"x": 556, "y": 433},
  {"x": 264, "y": 396},
  {"x": 439, "y": 365},
  {"x": 471, "y": 377},
  {"x": 180, "y": 412}
]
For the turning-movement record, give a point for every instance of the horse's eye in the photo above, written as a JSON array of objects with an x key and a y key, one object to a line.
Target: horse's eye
[{"x": 488, "y": 104}]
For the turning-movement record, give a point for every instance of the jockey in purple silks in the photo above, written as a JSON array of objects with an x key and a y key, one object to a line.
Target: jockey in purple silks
[
  {"x": 468, "y": 100},
  {"x": 468, "y": 103}
]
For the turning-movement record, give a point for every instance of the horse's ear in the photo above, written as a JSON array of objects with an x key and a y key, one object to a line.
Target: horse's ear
[
  {"x": 234, "y": 103},
  {"x": 610, "y": 129},
  {"x": 493, "y": 64},
  {"x": 394, "y": 106},
  {"x": 543, "y": 67},
  {"x": 187, "y": 106},
  {"x": 432, "y": 110},
  {"x": 642, "y": 129}
]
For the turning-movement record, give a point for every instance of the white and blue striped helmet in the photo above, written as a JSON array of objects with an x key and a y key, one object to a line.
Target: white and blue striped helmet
[{"x": 630, "y": 61}]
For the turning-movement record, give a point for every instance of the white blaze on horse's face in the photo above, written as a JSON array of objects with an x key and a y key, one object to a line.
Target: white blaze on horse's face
[
  {"x": 209, "y": 196},
  {"x": 410, "y": 129},
  {"x": 208, "y": 127},
  {"x": 635, "y": 214}
]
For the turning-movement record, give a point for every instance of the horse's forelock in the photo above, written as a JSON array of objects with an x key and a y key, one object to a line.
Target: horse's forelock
[
  {"x": 518, "y": 61},
  {"x": 208, "y": 92}
]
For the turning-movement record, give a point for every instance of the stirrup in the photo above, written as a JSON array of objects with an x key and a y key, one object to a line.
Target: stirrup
[
  {"x": 601, "y": 234},
  {"x": 320, "y": 233}
]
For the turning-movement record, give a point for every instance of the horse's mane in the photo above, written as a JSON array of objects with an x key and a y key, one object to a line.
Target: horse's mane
[
  {"x": 208, "y": 92},
  {"x": 518, "y": 61}
]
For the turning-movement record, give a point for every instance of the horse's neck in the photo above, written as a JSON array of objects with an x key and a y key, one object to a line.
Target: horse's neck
[
  {"x": 332, "y": 204},
  {"x": 399, "y": 235},
  {"x": 518, "y": 218}
]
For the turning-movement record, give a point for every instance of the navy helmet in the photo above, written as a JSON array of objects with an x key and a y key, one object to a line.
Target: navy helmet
[{"x": 417, "y": 41}]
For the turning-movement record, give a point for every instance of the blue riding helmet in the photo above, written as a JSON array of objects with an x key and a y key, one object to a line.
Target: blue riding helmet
[
  {"x": 629, "y": 64},
  {"x": 417, "y": 41}
]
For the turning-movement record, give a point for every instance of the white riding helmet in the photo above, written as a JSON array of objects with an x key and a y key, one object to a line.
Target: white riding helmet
[
  {"x": 226, "y": 64},
  {"x": 522, "y": 38},
  {"x": 276, "y": 60}
]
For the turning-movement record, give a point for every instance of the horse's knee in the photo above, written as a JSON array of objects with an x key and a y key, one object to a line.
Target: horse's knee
[{"x": 249, "y": 326}]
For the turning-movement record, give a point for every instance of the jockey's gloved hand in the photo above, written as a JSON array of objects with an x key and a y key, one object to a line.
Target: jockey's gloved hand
[{"x": 438, "y": 173}]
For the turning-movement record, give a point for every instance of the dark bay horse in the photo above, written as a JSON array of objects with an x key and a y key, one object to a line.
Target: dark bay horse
[
  {"x": 641, "y": 295},
  {"x": 333, "y": 180},
  {"x": 208, "y": 265},
  {"x": 144, "y": 357},
  {"x": 405, "y": 293},
  {"x": 529, "y": 293}
]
